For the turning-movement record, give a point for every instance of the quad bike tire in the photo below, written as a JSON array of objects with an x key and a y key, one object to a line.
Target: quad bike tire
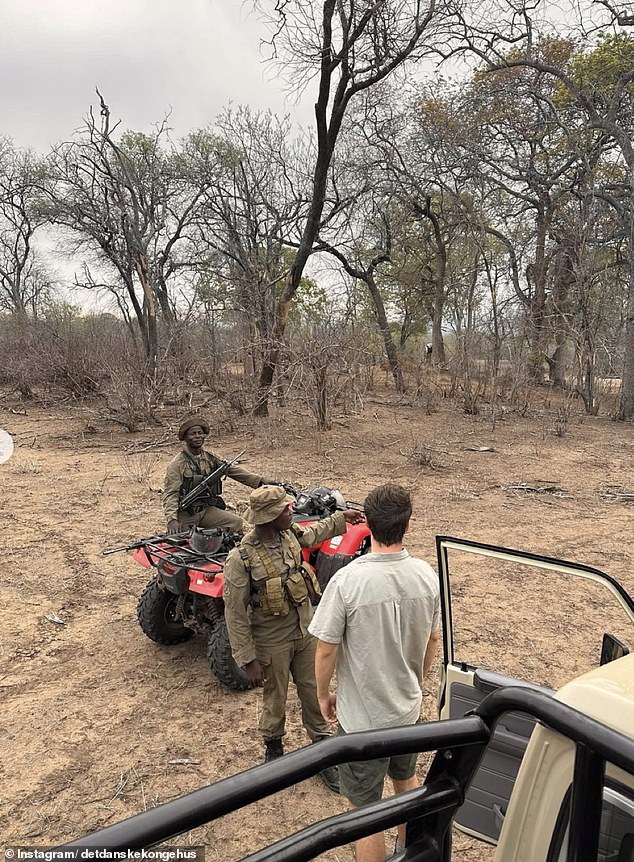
[
  {"x": 155, "y": 614},
  {"x": 222, "y": 662}
]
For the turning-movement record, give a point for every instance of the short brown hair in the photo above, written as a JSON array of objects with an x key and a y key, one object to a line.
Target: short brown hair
[{"x": 388, "y": 509}]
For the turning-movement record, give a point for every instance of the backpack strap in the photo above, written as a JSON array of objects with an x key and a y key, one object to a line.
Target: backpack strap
[{"x": 246, "y": 559}]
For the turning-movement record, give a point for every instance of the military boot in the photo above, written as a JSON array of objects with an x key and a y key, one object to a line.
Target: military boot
[
  {"x": 330, "y": 777},
  {"x": 274, "y": 749}
]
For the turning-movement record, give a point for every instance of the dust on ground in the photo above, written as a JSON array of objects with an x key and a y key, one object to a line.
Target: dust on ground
[{"x": 99, "y": 723}]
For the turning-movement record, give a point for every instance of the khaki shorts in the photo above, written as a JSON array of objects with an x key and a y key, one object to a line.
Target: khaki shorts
[{"x": 361, "y": 782}]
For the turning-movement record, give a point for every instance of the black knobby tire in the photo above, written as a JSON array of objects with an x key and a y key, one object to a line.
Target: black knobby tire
[
  {"x": 222, "y": 662},
  {"x": 156, "y": 615}
]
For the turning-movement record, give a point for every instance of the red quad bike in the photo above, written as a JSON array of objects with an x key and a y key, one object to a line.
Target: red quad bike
[{"x": 184, "y": 595}]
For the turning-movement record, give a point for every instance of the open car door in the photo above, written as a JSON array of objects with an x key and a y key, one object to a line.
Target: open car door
[{"x": 495, "y": 589}]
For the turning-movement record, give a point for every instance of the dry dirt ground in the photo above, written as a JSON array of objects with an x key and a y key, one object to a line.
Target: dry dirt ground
[{"x": 99, "y": 723}]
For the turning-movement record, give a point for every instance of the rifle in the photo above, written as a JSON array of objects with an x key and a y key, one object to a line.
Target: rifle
[
  {"x": 200, "y": 489},
  {"x": 176, "y": 539}
]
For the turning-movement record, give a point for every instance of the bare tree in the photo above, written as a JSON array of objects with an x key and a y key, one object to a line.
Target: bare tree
[
  {"x": 349, "y": 48},
  {"x": 134, "y": 203},
  {"x": 251, "y": 214},
  {"x": 408, "y": 147},
  {"x": 362, "y": 262},
  {"x": 23, "y": 281}
]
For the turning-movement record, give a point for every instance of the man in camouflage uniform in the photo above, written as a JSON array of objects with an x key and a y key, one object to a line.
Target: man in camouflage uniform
[
  {"x": 267, "y": 608},
  {"x": 187, "y": 470}
]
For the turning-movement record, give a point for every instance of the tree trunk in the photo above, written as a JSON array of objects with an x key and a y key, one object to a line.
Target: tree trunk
[
  {"x": 538, "y": 334},
  {"x": 261, "y": 407},
  {"x": 437, "y": 341},
  {"x": 150, "y": 329},
  {"x": 626, "y": 407},
  {"x": 557, "y": 362},
  {"x": 390, "y": 349}
]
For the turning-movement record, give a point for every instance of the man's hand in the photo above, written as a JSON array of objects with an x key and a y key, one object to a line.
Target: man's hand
[
  {"x": 173, "y": 526},
  {"x": 255, "y": 673},
  {"x": 353, "y": 516},
  {"x": 328, "y": 707}
]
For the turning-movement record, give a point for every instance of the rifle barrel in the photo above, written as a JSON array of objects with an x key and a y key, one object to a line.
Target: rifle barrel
[{"x": 218, "y": 473}]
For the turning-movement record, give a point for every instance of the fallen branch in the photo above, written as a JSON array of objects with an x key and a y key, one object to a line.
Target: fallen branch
[
  {"x": 545, "y": 488},
  {"x": 618, "y": 495},
  {"x": 134, "y": 447}
]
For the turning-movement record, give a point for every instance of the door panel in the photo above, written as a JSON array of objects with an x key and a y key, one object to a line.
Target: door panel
[
  {"x": 463, "y": 684},
  {"x": 483, "y": 810}
]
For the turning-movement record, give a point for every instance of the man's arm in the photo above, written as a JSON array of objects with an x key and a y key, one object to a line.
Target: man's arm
[
  {"x": 240, "y": 474},
  {"x": 237, "y": 597},
  {"x": 430, "y": 651},
  {"x": 171, "y": 490},
  {"x": 325, "y": 661}
]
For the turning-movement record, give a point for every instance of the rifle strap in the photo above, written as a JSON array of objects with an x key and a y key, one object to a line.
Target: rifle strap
[
  {"x": 212, "y": 494},
  {"x": 194, "y": 463}
]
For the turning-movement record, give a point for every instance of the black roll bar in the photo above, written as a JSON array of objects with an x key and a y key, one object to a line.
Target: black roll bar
[{"x": 428, "y": 811}]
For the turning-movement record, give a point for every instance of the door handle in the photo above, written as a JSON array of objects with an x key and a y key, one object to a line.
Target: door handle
[{"x": 499, "y": 815}]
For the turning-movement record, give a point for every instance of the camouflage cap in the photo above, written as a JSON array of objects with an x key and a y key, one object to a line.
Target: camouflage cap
[
  {"x": 191, "y": 423},
  {"x": 266, "y": 503}
]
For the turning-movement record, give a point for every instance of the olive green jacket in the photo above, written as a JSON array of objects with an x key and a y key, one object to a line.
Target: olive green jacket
[
  {"x": 181, "y": 468},
  {"x": 252, "y": 632}
]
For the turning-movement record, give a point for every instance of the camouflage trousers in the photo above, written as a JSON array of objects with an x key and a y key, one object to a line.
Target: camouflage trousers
[
  {"x": 294, "y": 659},
  {"x": 212, "y": 516}
]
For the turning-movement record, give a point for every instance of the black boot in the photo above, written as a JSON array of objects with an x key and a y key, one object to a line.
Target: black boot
[
  {"x": 330, "y": 777},
  {"x": 274, "y": 749}
]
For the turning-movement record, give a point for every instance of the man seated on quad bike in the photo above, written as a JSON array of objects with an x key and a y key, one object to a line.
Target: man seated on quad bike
[
  {"x": 267, "y": 594},
  {"x": 187, "y": 470}
]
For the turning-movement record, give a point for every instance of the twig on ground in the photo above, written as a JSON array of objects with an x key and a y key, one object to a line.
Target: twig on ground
[{"x": 545, "y": 488}]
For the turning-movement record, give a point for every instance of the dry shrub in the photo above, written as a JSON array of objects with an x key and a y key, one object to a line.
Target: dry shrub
[
  {"x": 26, "y": 466},
  {"x": 560, "y": 426},
  {"x": 140, "y": 465},
  {"x": 65, "y": 355},
  {"x": 72, "y": 350},
  {"x": 21, "y": 368},
  {"x": 62, "y": 353},
  {"x": 421, "y": 382},
  {"x": 132, "y": 396},
  {"x": 422, "y": 456},
  {"x": 325, "y": 367}
]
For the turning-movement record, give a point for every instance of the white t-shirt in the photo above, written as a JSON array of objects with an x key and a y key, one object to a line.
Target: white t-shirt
[{"x": 381, "y": 610}]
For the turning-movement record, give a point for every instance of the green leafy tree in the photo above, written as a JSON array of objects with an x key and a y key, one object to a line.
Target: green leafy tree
[{"x": 599, "y": 82}]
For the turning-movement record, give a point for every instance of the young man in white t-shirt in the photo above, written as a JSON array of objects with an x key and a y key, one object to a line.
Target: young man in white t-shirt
[{"x": 378, "y": 624}]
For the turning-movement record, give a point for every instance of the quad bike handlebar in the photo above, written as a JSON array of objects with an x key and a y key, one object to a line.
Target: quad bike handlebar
[{"x": 319, "y": 501}]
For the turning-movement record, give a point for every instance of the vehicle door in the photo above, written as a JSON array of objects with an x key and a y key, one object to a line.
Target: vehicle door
[{"x": 508, "y": 585}]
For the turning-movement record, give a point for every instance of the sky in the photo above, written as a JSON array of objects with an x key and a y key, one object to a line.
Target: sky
[{"x": 147, "y": 57}]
